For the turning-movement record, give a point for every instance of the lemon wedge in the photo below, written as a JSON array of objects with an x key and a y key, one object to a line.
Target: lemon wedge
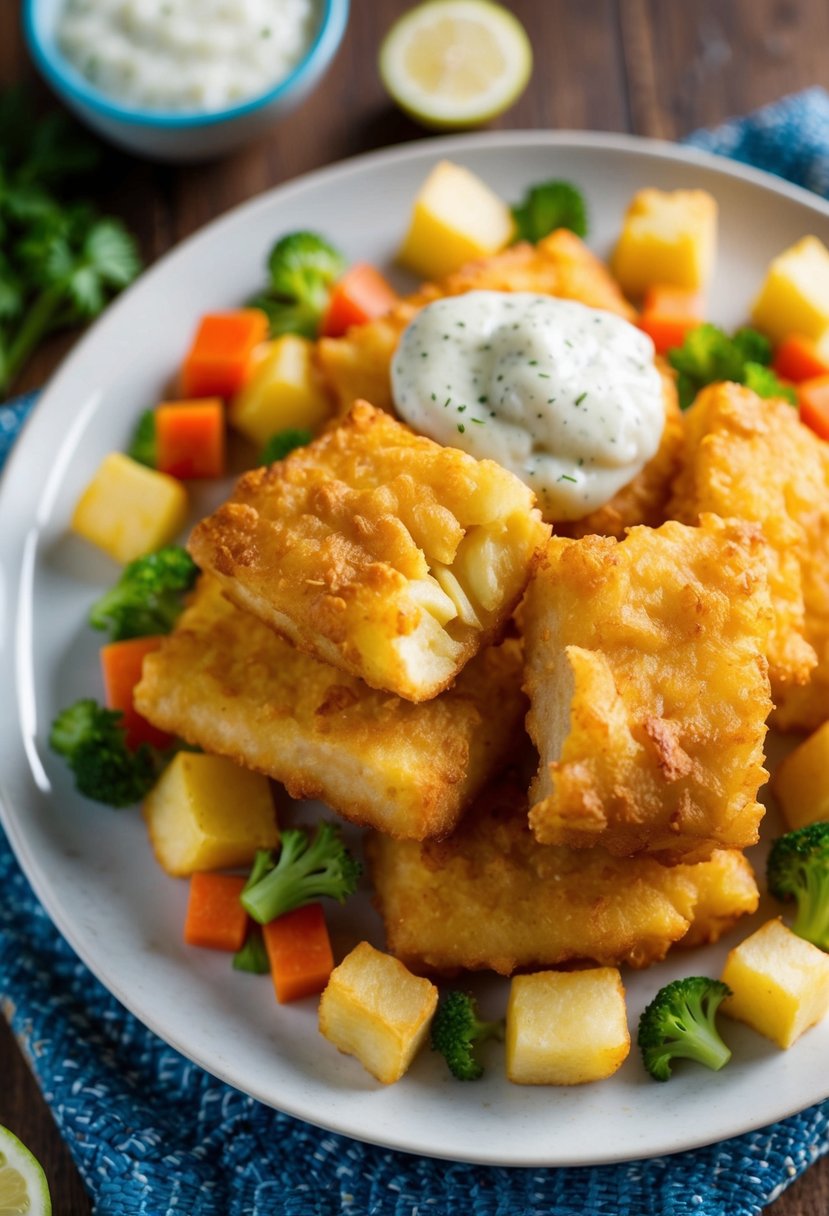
[
  {"x": 24, "y": 1190},
  {"x": 456, "y": 63}
]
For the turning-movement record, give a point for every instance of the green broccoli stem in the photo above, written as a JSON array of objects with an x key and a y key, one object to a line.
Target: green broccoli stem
[
  {"x": 490, "y": 1030},
  {"x": 280, "y": 892},
  {"x": 39, "y": 320},
  {"x": 811, "y": 921},
  {"x": 702, "y": 1043}
]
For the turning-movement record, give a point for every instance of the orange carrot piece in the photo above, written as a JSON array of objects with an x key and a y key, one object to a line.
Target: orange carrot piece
[
  {"x": 665, "y": 331},
  {"x": 670, "y": 301},
  {"x": 797, "y": 359},
  {"x": 299, "y": 951},
  {"x": 813, "y": 399},
  {"x": 121, "y": 664},
  {"x": 359, "y": 296},
  {"x": 190, "y": 438},
  {"x": 219, "y": 359},
  {"x": 215, "y": 917}
]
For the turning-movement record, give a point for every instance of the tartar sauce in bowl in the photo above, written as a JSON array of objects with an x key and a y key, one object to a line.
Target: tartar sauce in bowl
[
  {"x": 185, "y": 55},
  {"x": 565, "y": 396}
]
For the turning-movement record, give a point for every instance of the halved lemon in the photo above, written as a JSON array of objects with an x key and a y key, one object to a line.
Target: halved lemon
[
  {"x": 456, "y": 63},
  {"x": 24, "y": 1190}
]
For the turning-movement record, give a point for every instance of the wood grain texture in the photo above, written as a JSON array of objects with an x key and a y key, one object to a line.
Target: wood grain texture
[{"x": 656, "y": 67}]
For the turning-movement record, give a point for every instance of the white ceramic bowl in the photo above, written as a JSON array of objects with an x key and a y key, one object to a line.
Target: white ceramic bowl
[{"x": 170, "y": 136}]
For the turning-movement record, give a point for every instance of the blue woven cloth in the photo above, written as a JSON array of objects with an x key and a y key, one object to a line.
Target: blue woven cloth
[{"x": 153, "y": 1135}]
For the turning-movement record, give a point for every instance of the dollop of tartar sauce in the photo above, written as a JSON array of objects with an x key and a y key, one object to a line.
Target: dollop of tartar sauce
[
  {"x": 185, "y": 54},
  {"x": 565, "y": 396}
]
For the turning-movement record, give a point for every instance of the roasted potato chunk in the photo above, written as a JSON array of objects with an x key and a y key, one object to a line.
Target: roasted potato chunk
[
  {"x": 228, "y": 683},
  {"x": 377, "y": 551},
  {"x": 376, "y": 1010},
  {"x": 648, "y": 689},
  {"x": 668, "y": 236},
  {"x": 750, "y": 458},
  {"x": 801, "y": 781},
  {"x": 566, "y": 1027},
  {"x": 490, "y": 897}
]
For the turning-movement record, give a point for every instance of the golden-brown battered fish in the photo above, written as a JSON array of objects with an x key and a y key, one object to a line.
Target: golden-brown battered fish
[
  {"x": 751, "y": 458},
  {"x": 358, "y": 365},
  {"x": 491, "y": 897},
  {"x": 227, "y": 683},
  {"x": 377, "y": 551},
  {"x": 648, "y": 688}
]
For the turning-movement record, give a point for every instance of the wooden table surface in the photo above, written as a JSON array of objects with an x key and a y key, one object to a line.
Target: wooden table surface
[{"x": 654, "y": 67}]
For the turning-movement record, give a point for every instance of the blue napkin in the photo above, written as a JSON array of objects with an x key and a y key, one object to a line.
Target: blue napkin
[{"x": 153, "y": 1135}]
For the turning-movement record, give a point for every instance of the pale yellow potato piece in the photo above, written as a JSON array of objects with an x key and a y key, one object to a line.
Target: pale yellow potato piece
[
  {"x": 129, "y": 510},
  {"x": 284, "y": 392},
  {"x": 794, "y": 297},
  {"x": 490, "y": 897},
  {"x": 801, "y": 781},
  {"x": 455, "y": 218},
  {"x": 566, "y": 1027},
  {"x": 229, "y": 684},
  {"x": 376, "y": 1010},
  {"x": 666, "y": 237},
  {"x": 780, "y": 983},
  {"x": 206, "y": 813},
  {"x": 648, "y": 686},
  {"x": 355, "y": 549}
]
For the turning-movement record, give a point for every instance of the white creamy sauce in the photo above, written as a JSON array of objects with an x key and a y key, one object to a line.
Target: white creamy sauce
[
  {"x": 185, "y": 55},
  {"x": 566, "y": 397}
]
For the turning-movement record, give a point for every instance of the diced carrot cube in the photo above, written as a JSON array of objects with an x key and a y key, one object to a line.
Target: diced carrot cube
[
  {"x": 215, "y": 917},
  {"x": 219, "y": 360},
  {"x": 813, "y": 400},
  {"x": 121, "y": 664},
  {"x": 299, "y": 951},
  {"x": 360, "y": 295},
  {"x": 190, "y": 438},
  {"x": 797, "y": 359}
]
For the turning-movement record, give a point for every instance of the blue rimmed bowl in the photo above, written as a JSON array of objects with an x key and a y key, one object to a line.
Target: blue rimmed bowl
[{"x": 178, "y": 136}]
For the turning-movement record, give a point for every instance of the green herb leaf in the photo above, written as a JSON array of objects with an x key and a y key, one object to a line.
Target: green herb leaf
[
  {"x": 142, "y": 445},
  {"x": 283, "y": 443},
  {"x": 547, "y": 206}
]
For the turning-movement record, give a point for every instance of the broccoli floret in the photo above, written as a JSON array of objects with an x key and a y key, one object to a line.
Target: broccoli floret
[
  {"x": 548, "y": 206},
  {"x": 308, "y": 869},
  {"x": 142, "y": 444},
  {"x": 708, "y": 355},
  {"x": 457, "y": 1032},
  {"x": 680, "y": 1023},
  {"x": 283, "y": 443},
  {"x": 302, "y": 267},
  {"x": 148, "y": 597},
  {"x": 93, "y": 741},
  {"x": 798, "y": 868}
]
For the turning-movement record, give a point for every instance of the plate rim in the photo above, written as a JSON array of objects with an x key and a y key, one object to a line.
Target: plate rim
[{"x": 436, "y": 147}]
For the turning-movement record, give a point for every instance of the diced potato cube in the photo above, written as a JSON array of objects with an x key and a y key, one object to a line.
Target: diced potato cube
[
  {"x": 566, "y": 1027},
  {"x": 801, "y": 782},
  {"x": 667, "y": 237},
  {"x": 282, "y": 393},
  {"x": 376, "y": 1010},
  {"x": 129, "y": 510},
  {"x": 794, "y": 297},
  {"x": 206, "y": 813},
  {"x": 455, "y": 218},
  {"x": 780, "y": 983}
]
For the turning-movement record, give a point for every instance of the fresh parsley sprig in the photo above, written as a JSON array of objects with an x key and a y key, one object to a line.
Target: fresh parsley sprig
[{"x": 60, "y": 263}]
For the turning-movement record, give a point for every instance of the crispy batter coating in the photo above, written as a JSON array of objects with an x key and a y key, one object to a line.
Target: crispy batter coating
[
  {"x": 378, "y": 551},
  {"x": 643, "y": 500},
  {"x": 491, "y": 897},
  {"x": 752, "y": 458},
  {"x": 649, "y": 690},
  {"x": 358, "y": 365},
  {"x": 227, "y": 683}
]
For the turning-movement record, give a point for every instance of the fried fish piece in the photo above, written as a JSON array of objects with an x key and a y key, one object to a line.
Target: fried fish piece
[
  {"x": 377, "y": 551},
  {"x": 649, "y": 689},
  {"x": 752, "y": 458},
  {"x": 491, "y": 897},
  {"x": 358, "y": 365},
  {"x": 228, "y": 684}
]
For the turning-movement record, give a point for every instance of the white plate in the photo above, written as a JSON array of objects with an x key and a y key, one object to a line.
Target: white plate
[{"x": 92, "y": 867}]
